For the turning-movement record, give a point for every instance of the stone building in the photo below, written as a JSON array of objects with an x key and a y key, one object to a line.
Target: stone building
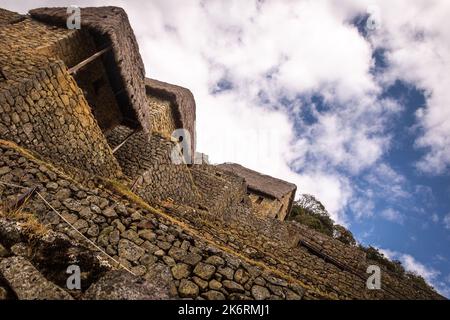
[
  {"x": 94, "y": 109},
  {"x": 271, "y": 197},
  {"x": 83, "y": 85}
]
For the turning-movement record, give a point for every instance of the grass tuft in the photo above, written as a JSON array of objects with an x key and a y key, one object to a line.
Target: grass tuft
[{"x": 27, "y": 220}]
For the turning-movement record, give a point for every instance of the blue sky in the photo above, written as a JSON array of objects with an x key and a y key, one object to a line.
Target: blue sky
[{"x": 347, "y": 99}]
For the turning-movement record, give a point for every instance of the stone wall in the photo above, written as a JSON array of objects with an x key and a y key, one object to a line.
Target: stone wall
[
  {"x": 202, "y": 254},
  {"x": 270, "y": 207},
  {"x": 20, "y": 56},
  {"x": 42, "y": 107},
  {"x": 146, "y": 160},
  {"x": 334, "y": 271},
  {"x": 182, "y": 105},
  {"x": 48, "y": 114},
  {"x": 94, "y": 83},
  {"x": 265, "y": 206},
  {"x": 163, "y": 121},
  {"x": 30, "y": 37},
  {"x": 221, "y": 191},
  {"x": 72, "y": 47},
  {"x": 271, "y": 197},
  {"x": 148, "y": 242},
  {"x": 286, "y": 206}
]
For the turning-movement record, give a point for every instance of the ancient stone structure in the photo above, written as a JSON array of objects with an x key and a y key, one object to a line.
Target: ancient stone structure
[
  {"x": 271, "y": 197},
  {"x": 179, "y": 113},
  {"x": 146, "y": 160},
  {"x": 87, "y": 149},
  {"x": 109, "y": 26}
]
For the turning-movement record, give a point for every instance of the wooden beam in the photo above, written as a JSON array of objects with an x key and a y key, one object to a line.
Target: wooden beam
[
  {"x": 21, "y": 199},
  {"x": 85, "y": 62},
  {"x": 125, "y": 140}
]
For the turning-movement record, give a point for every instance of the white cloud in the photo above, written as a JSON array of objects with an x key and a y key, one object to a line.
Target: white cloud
[
  {"x": 412, "y": 265},
  {"x": 415, "y": 36},
  {"x": 368, "y": 233},
  {"x": 440, "y": 258},
  {"x": 392, "y": 215},
  {"x": 388, "y": 182},
  {"x": 362, "y": 207}
]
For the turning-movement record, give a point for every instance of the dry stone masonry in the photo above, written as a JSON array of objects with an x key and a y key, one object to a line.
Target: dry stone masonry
[
  {"x": 271, "y": 197},
  {"x": 149, "y": 244},
  {"x": 87, "y": 178}
]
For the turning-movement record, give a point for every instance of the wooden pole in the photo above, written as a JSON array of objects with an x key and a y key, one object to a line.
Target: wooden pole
[{"x": 83, "y": 63}]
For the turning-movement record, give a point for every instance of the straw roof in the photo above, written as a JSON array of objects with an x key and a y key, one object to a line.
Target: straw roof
[
  {"x": 111, "y": 23},
  {"x": 259, "y": 182}
]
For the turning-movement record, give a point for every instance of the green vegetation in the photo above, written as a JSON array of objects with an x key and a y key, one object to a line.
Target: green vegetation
[
  {"x": 310, "y": 212},
  {"x": 375, "y": 255},
  {"x": 394, "y": 266}
]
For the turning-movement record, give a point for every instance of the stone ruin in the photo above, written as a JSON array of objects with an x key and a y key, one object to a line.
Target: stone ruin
[{"x": 87, "y": 178}]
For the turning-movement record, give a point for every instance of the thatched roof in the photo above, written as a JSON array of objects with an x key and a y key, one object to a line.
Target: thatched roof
[
  {"x": 259, "y": 182},
  {"x": 182, "y": 102},
  {"x": 8, "y": 17},
  {"x": 111, "y": 24}
]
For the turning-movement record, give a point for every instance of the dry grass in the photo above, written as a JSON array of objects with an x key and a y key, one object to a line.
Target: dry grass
[
  {"x": 27, "y": 220},
  {"x": 33, "y": 157}
]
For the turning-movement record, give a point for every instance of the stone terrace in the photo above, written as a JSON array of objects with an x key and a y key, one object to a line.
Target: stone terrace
[{"x": 139, "y": 237}]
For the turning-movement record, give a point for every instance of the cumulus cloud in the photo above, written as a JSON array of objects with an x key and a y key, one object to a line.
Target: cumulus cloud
[
  {"x": 414, "y": 35},
  {"x": 431, "y": 275},
  {"x": 392, "y": 215},
  {"x": 412, "y": 265},
  {"x": 387, "y": 181},
  {"x": 362, "y": 207}
]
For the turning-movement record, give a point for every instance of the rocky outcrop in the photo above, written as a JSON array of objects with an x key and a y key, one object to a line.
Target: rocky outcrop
[
  {"x": 28, "y": 283},
  {"x": 121, "y": 285}
]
